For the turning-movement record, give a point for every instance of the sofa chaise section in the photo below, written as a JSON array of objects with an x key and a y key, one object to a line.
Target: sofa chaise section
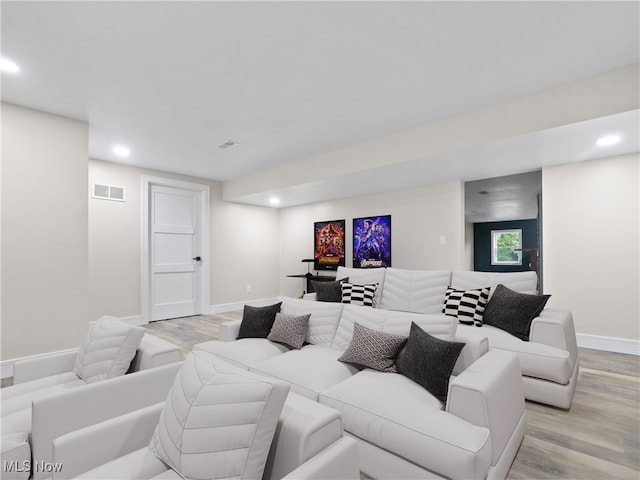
[{"x": 477, "y": 435}]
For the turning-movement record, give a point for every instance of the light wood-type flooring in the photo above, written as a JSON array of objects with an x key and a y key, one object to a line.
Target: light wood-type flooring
[{"x": 598, "y": 438}]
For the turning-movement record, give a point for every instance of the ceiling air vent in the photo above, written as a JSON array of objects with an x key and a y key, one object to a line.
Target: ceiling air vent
[{"x": 108, "y": 192}]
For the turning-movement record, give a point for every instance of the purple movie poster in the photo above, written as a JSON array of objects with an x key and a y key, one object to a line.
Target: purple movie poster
[{"x": 372, "y": 242}]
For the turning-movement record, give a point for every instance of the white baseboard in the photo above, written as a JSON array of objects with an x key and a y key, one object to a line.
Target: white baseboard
[
  {"x": 135, "y": 320},
  {"x": 6, "y": 366},
  {"x": 609, "y": 344},
  {"x": 6, "y": 370},
  {"x": 229, "y": 307}
]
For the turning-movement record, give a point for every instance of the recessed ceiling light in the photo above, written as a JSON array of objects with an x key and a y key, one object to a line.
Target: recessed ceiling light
[
  {"x": 7, "y": 65},
  {"x": 121, "y": 151},
  {"x": 227, "y": 144},
  {"x": 608, "y": 140},
  {"x": 274, "y": 201}
]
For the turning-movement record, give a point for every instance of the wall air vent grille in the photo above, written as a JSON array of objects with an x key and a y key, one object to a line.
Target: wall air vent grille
[{"x": 108, "y": 192}]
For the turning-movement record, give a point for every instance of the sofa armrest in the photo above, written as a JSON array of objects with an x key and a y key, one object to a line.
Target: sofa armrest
[
  {"x": 305, "y": 428},
  {"x": 490, "y": 394},
  {"x": 338, "y": 461},
  {"x": 154, "y": 352},
  {"x": 476, "y": 345},
  {"x": 554, "y": 327},
  {"x": 45, "y": 366},
  {"x": 61, "y": 413},
  {"x": 85, "y": 449},
  {"x": 229, "y": 330}
]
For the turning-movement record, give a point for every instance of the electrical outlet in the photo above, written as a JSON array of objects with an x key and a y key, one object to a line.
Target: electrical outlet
[
  {"x": 248, "y": 288},
  {"x": 443, "y": 240}
]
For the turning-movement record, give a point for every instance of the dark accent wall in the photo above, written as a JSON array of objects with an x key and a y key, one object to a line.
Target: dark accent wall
[{"x": 482, "y": 244}]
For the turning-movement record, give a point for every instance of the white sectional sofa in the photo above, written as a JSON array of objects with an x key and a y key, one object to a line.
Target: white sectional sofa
[
  {"x": 27, "y": 421},
  {"x": 402, "y": 430},
  {"x": 548, "y": 361},
  {"x": 308, "y": 441}
]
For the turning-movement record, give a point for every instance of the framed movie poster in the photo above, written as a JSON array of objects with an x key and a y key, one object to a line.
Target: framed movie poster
[
  {"x": 329, "y": 241},
  {"x": 372, "y": 242}
]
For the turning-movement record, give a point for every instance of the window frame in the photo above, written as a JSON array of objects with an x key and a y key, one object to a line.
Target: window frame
[{"x": 495, "y": 234}]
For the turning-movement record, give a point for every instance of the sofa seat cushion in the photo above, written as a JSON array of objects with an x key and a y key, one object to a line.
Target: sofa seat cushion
[
  {"x": 140, "y": 464},
  {"x": 20, "y": 396},
  {"x": 243, "y": 353},
  {"x": 15, "y": 455},
  {"x": 536, "y": 359},
  {"x": 16, "y": 422},
  {"x": 398, "y": 415},
  {"x": 309, "y": 370}
]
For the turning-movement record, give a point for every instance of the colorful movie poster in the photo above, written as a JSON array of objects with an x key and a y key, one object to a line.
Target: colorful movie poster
[
  {"x": 329, "y": 252},
  {"x": 372, "y": 242}
]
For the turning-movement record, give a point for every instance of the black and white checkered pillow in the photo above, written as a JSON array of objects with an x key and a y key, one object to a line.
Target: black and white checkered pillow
[
  {"x": 359, "y": 294},
  {"x": 466, "y": 305}
]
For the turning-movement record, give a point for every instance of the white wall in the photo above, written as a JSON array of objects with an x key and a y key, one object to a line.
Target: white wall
[
  {"x": 591, "y": 219},
  {"x": 44, "y": 232},
  {"x": 419, "y": 217},
  {"x": 244, "y": 245}
]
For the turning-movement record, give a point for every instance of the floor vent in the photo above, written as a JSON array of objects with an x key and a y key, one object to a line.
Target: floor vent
[{"x": 108, "y": 192}]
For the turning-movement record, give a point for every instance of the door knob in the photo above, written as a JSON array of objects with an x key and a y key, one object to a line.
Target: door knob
[{"x": 197, "y": 259}]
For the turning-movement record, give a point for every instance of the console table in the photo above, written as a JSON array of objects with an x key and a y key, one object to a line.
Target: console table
[{"x": 315, "y": 278}]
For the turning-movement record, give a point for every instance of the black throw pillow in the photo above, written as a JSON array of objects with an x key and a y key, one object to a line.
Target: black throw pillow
[
  {"x": 257, "y": 321},
  {"x": 428, "y": 361},
  {"x": 329, "y": 291},
  {"x": 513, "y": 312}
]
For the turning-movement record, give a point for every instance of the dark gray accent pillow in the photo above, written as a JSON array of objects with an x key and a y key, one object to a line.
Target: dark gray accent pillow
[
  {"x": 373, "y": 349},
  {"x": 329, "y": 291},
  {"x": 428, "y": 361},
  {"x": 257, "y": 321},
  {"x": 290, "y": 330},
  {"x": 513, "y": 312}
]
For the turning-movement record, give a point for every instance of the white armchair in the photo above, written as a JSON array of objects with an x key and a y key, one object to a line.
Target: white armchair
[
  {"x": 57, "y": 376},
  {"x": 308, "y": 440}
]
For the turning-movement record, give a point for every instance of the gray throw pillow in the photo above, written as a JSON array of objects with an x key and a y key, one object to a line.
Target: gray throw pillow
[
  {"x": 290, "y": 330},
  {"x": 513, "y": 312},
  {"x": 428, "y": 361},
  {"x": 257, "y": 321},
  {"x": 329, "y": 291},
  {"x": 373, "y": 349}
]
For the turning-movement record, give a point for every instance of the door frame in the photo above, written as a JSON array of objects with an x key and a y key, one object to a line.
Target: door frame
[{"x": 204, "y": 282}]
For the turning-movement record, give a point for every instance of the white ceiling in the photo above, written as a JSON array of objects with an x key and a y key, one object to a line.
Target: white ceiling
[{"x": 290, "y": 80}]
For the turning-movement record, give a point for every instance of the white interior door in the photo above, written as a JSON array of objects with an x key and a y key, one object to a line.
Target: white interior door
[{"x": 175, "y": 243}]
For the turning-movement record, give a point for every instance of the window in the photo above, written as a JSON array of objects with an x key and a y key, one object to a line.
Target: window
[{"x": 506, "y": 247}]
